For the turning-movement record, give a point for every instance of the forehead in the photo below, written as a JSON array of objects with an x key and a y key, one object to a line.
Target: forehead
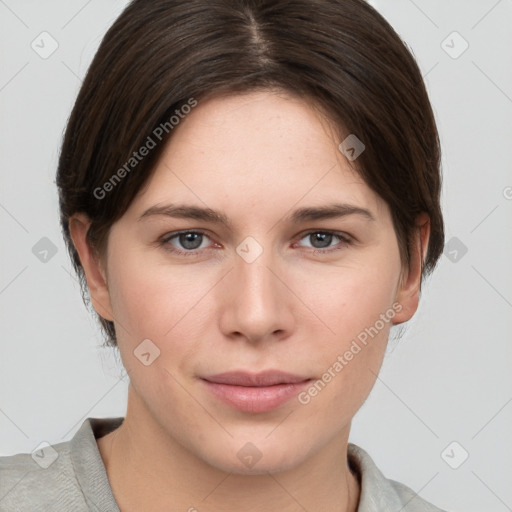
[{"x": 248, "y": 150}]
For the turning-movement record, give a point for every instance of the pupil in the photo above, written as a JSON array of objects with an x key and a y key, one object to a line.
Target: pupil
[
  {"x": 324, "y": 238},
  {"x": 189, "y": 240}
]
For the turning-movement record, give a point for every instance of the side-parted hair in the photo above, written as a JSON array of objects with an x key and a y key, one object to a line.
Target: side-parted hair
[{"x": 160, "y": 58}]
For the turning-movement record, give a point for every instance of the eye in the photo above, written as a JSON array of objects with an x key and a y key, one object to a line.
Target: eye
[
  {"x": 322, "y": 239},
  {"x": 187, "y": 242},
  {"x": 190, "y": 243}
]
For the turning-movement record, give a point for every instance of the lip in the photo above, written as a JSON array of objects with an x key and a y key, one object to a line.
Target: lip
[{"x": 255, "y": 392}]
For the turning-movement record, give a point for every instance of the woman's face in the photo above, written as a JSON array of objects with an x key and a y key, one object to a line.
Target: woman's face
[{"x": 275, "y": 287}]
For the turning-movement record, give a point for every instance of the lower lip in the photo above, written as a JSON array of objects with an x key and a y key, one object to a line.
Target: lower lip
[{"x": 256, "y": 399}]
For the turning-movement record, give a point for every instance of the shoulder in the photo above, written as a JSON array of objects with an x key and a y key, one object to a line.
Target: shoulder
[
  {"x": 411, "y": 498},
  {"x": 65, "y": 476},
  {"x": 380, "y": 494},
  {"x": 31, "y": 481}
]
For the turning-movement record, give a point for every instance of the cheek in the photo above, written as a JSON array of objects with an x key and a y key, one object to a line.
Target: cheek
[
  {"x": 358, "y": 309},
  {"x": 352, "y": 299},
  {"x": 161, "y": 303},
  {"x": 151, "y": 300}
]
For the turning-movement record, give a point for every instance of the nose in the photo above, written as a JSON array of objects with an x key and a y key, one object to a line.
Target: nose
[{"x": 257, "y": 305}]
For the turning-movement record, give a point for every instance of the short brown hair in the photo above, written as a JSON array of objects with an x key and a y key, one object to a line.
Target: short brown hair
[{"x": 340, "y": 55}]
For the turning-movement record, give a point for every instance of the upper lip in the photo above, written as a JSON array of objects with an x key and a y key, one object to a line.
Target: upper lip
[{"x": 265, "y": 378}]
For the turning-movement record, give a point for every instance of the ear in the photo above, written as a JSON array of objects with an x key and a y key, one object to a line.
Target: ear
[
  {"x": 94, "y": 273},
  {"x": 408, "y": 290}
]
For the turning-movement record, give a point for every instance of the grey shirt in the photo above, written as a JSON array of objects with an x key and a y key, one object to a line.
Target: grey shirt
[{"x": 70, "y": 476}]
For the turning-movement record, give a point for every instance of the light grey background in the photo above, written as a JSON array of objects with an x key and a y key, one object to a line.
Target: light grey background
[{"x": 448, "y": 379}]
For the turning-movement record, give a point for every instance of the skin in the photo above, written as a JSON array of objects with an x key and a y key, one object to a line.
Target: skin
[{"x": 255, "y": 157}]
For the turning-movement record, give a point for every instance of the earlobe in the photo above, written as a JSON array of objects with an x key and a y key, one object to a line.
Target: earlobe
[
  {"x": 410, "y": 281},
  {"x": 94, "y": 273}
]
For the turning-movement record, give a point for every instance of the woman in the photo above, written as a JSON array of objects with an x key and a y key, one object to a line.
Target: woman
[{"x": 249, "y": 193}]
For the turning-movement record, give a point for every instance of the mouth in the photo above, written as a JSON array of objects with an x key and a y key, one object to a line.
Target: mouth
[{"x": 255, "y": 393}]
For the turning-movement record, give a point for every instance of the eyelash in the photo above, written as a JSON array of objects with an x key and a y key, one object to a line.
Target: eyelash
[{"x": 345, "y": 240}]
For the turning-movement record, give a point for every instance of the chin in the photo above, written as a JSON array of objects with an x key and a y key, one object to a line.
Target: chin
[
  {"x": 262, "y": 467},
  {"x": 247, "y": 458}
]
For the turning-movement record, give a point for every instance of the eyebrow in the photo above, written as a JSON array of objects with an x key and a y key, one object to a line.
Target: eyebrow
[{"x": 310, "y": 213}]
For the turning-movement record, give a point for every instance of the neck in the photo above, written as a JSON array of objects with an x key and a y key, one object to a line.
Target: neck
[{"x": 149, "y": 470}]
